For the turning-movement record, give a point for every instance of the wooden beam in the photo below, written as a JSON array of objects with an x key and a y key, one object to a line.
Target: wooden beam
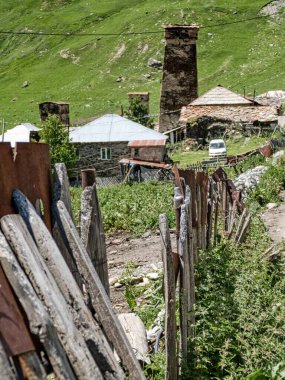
[
  {"x": 92, "y": 233},
  {"x": 5, "y": 368},
  {"x": 20, "y": 240},
  {"x": 171, "y": 369},
  {"x": 39, "y": 321},
  {"x": 82, "y": 316},
  {"x": 98, "y": 296}
]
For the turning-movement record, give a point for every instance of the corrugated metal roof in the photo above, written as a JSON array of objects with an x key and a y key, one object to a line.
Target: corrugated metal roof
[
  {"x": 20, "y": 133},
  {"x": 143, "y": 143},
  {"x": 111, "y": 128},
  {"x": 220, "y": 96}
]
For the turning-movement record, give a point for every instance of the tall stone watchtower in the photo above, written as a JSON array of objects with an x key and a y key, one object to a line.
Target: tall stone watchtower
[{"x": 179, "y": 81}]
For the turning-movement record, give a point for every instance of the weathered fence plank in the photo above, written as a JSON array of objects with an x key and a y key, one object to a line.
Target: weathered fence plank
[
  {"x": 82, "y": 316},
  {"x": 171, "y": 369},
  {"x": 39, "y": 321},
  {"x": 34, "y": 266},
  {"x": 240, "y": 224},
  {"x": 61, "y": 190},
  {"x": 241, "y": 237},
  {"x": 32, "y": 367},
  {"x": 92, "y": 233},
  {"x": 98, "y": 296},
  {"x": 5, "y": 368}
]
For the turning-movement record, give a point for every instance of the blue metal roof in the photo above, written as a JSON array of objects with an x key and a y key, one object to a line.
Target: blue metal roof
[{"x": 111, "y": 128}]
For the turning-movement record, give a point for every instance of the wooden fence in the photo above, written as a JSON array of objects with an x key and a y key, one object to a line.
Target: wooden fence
[
  {"x": 56, "y": 316},
  {"x": 205, "y": 207}
]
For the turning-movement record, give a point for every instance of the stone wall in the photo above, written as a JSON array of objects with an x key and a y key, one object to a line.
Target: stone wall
[
  {"x": 179, "y": 82},
  {"x": 150, "y": 153},
  {"x": 90, "y": 157}
]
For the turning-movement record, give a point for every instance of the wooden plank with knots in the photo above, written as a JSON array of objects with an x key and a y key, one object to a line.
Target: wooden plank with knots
[
  {"x": 19, "y": 238},
  {"x": 82, "y": 316},
  {"x": 39, "y": 321},
  {"x": 98, "y": 296}
]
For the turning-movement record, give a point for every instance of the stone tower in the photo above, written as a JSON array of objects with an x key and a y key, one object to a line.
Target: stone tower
[{"x": 179, "y": 81}]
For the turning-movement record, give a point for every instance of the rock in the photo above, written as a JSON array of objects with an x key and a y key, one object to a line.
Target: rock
[
  {"x": 153, "y": 275},
  {"x": 147, "y": 76},
  {"x": 120, "y": 79},
  {"x": 25, "y": 84},
  {"x": 144, "y": 282},
  {"x": 113, "y": 281},
  {"x": 112, "y": 252},
  {"x": 154, "y": 63},
  {"x": 118, "y": 285},
  {"x": 146, "y": 234},
  {"x": 269, "y": 206},
  {"x": 248, "y": 180}
]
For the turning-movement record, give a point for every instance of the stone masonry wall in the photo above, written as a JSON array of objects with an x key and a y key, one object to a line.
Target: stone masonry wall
[
  {"x": 179, "y": 82},
  {"x": 90, "y": 157}
]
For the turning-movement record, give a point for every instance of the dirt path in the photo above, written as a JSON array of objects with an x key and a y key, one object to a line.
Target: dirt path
[
  {"x": 274, "y": 220},
  {"x": 143, "y": 253}
]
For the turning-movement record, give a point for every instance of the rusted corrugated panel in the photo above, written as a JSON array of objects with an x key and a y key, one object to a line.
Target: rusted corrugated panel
[
  {"x": 219, "y": 175},
  {"x": 145, "y": 163},
  {"x": 29, "y": 171},
  {"x": 145, "y": 143},
  {"x": 266, "y": 150},
  {"x": 13, "y": 331}
]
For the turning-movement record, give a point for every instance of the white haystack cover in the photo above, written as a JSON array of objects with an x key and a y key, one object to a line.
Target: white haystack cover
[{"x": 110, "y": 128}]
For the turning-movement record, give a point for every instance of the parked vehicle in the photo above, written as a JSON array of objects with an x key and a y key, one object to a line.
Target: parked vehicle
[{"x": 217, "y": 148}]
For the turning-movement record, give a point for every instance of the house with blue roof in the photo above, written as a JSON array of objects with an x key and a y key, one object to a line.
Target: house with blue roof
[{"x": 104, "y": 141}]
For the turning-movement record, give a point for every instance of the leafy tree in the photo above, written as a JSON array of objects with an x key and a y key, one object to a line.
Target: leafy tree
[
  {"x": 138, "y": 112},
  {"x": 55, "y": 134}
]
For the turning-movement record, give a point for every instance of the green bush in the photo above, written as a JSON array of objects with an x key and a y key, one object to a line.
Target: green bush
[
  {"x": 133, "y": 208},
  {"x": 55, "y": 134}
]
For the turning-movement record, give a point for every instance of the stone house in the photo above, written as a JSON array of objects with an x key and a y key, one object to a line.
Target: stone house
[
  {"x": 212, "y": 113},
  {"x": 104, "y": 141},
  {"x": 148, "y": 150}
]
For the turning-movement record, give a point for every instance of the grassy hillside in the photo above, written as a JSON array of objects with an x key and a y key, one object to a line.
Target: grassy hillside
[{"x": 83, "y": 70}]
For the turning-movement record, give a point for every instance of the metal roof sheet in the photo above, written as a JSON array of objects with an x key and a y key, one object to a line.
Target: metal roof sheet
[
  {"x": 20, "y": 133},
  {"x": 143, "y": 143},
  {"x": 220, "y": 96},
  {"x": 111, "y": 128}
]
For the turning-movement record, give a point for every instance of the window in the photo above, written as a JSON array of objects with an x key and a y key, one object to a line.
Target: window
[
  {"x": 106, "y": 154},
  {"x": 137, "y": 152}
]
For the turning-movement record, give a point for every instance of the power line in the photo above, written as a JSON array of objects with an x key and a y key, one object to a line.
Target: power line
[{"x": 72, "y": 34}]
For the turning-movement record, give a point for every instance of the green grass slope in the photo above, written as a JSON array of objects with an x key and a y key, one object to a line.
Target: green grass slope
[{"x": 83, "y": 70}]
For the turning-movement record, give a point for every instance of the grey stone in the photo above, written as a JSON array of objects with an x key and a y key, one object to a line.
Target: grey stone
[
  {"x": 25, "y": 84},
  {"x": 152, "y": 62}
]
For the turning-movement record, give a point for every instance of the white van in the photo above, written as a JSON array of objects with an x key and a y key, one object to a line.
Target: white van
[{"x": 217, "y": 148}]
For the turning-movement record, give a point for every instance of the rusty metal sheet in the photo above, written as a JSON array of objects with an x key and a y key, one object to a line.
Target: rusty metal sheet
[
  {"x": 146, "y": 143},
  {"x": 202, "y": 180},
  {"x": 14, "y": 333},
  {"x": 28, "y": 170},
  {"x": 266, "y": 150},
  {"x": 219, "y": 175},
  {"x": 235, "y": 195}
]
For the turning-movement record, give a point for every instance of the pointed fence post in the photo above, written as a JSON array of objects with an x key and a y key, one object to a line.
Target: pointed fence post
[
  {"x": 92, "y": 233},
  {"x": 187, "y": 283},
  {"x": 171, "y": 370}
]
